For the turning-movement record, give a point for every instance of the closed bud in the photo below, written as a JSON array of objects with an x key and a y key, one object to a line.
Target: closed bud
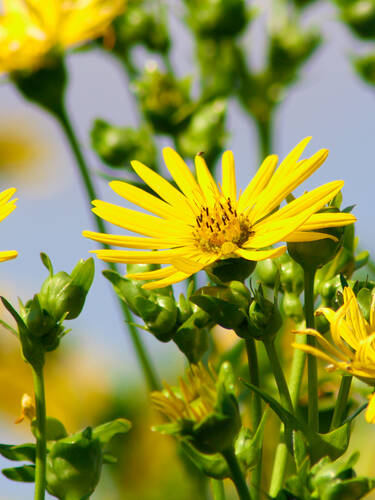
[
  {"x": 165, "y": 101},
  {"x": 63, "y": 295},
  {"x": 233, "y": 269},
  {"x": 216, "y": 19},
  {"x": 74, "y": 466},
  {"x": 205, "y": 132},
  {"x": 267, "y": 272},
  {"x": 291, "y": 275},
  {"x": 359, "y": 15},
  {"x": 292, "y": 306},
  {"x": 289, "y": 48},
  {"x": 221, "y": 64},
  {"x": 118, "y": 146},
  {"x": 328, "y": 292},
  {"x": 264, "y": 317},
  {"x": 140, "y": 26},
  {"x": 314, "y": 254}
]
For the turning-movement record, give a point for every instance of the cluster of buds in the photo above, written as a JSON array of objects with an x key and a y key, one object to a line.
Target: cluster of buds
[
  {"x": 74, "y": 462},
  {"x": 40, "y": 320},
  {"x": 118, "y": 146}
]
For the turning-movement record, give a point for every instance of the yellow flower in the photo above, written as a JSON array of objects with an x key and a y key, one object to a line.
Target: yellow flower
[
  {"x": 201, "y": 222},
  {"x": 6, "y": 207},
  {"x": 370, "y": 412},
  {"x": 353, "y": 337},
  {"x": 27, "y": 409},
  {"x": 31, "y": 29},
  {"x": 193, "y": 400}
]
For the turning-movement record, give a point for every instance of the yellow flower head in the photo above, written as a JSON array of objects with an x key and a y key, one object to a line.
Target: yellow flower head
[
  {"x": 354, "y": 339},
  {"x": 202, "y": 222},
  {"x": 195, "y": 398},
  {"x": 31, "y": 29},
  {"x": 6, "y": 207}
]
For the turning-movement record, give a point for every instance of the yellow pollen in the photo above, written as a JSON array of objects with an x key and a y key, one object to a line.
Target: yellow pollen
[{"x": 219, "y": 229}]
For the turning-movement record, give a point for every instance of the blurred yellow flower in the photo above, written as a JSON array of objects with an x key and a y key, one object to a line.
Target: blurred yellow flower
[
  {"x": 203, "y": 222},
  {"x": 31, "y": 29},
  {"x": 27, "y": 409},
  {"x": 354, "y": 339},
  {"x": 6, "y": 207}
]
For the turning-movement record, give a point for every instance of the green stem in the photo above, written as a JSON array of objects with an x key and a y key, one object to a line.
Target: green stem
[
  {"x": 279, "y": 375},
  {"x": 296, "y": 372},
  {"x": 255, "y": 412},
  {"x": 341, "y": 403},
  {"x": 312, "y": 367},
  {"x": 264, "y": 129},
  {"x": 236, "y": 474},
  {"x": 40, "y": 457},
  {"x": 281, "y": 456},
  {"x": 217, "y": 487},
  {"x": 142, "y": 355}
]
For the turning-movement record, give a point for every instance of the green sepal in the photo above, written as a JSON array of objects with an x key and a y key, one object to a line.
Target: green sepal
[
  {"x": 105, "y": 432},
  {"x": 24, "y": 474},
  {"x": 192, "y": 336},
  {"x": 223, "y": 313},
  {"x": 212, "y": 465},
  {"x": 333, "y": 444},
  {"x": 32, "y": 349},
  {"x": 361, "y": 260},
  {"x": 18, "y": 452},
  {"x": 55, "y": 429},
  {"x": 233, "y": 269},
  {"x": 46, "y": 262}
]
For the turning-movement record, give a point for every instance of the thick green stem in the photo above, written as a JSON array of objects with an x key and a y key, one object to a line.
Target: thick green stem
[
  {"x": 312, "y": 367},
  {"x": 264, "y": 129},
  {"x": 236, "y": 474},
  {"x": 142, "y": 355},
  {"x": 256, "y": 414},
  {"x": 40, "y": 457},
  {"x": 296, "y": 372},
  {"x": 217, "y": 488},
  {"x": 341, "y": 403},
  {"x": 279, "y": 465}
]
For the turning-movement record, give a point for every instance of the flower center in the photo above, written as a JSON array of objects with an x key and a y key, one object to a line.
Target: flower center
[{"x": 219, "y": 229}]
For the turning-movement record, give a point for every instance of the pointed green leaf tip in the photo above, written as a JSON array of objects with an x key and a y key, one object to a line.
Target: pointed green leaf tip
[
  {"x": 18, "y": 452},
  {"x": 107, "y": 431},
  {"x": 24, "y": 474},
  {"x": 47, "y": 262}
]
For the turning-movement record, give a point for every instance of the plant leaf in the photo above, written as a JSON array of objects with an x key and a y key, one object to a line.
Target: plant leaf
[{"x": 24, "y": 474}]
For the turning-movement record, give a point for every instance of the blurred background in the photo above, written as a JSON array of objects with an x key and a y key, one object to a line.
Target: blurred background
[{"x": 94, "y": 375}]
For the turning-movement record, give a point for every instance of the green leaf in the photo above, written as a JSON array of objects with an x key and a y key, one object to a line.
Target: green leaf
[
  {"x": 24, "y": 474},
  {"x": 211, "y": 465},
  {"x": 46, "y": 262},
  {"x": 248, "y": 447},
  {"x": 361, "y": 259},
  {"x": 18, "y": 452},
  {"x": 299, "y": 449},
  {"x": 351, "y": 489},
  {"x": 107, "y": 431}
]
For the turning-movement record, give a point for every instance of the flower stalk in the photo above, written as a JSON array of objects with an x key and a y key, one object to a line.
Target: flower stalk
[
  {"x": 236, "y": 474},
  {"x": 41, "y": 449},
  {"x": 342, "y": 401}
]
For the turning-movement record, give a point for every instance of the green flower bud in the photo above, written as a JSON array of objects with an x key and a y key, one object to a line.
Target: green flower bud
[
  {"x": 264, "y": 317},
  {"x": 221, "y": 64},
  {"x": 45, "y": 86},
  {"x": 74, "y": 466},
  {"x": 328, "y": 292},
  {"x": 321, "y": 323},
  {"x": 291, "y": 276},
  {"x": 63, "y": 295},
  {"x": 118, "y": 146},
  {"x": 226, "y": 270},
  {"x": 215, "y": 19},
  {"x": 364, "y": 299},
  {"x": 267, "y": 272},
  {"x": 157, "y": 308},
  {"x": 315, "y": 254},
  {"x": 226, "y": 305},
  {"x": 205, "y": 132},
  {"x": 165, "y": 101},
  {"x": 203, "y": 410},
  {"x": 292, "y": 307},
  {"x": 192, "y": 337},
  {"x": 140, "y": 26},
  {"x": 289, "y": 48},
  {"x": 360, "y": 17}
]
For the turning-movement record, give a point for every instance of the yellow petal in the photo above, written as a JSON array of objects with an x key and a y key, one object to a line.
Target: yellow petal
[
  {"x": 148, "y": 201},
  {"x": 370, "y": 412},
  {"x": 206, "y": 181},
  {"x": 318, "y": 221},
  {"x": 229, "y": 176},
  {"x": 258, "y": 255},
  {"x": 150, "y": 275},
  {"x": 8, "y": 255},
  {"x": 128, "y": 257},
  {"x": 130, "y": 241},
  {"x": 175, "y": 278},
  {"x": 258, "y": 183},
  {"x": 162, "y": 187},
  {"x": 182, "y": 175},
  {"x": 299, "y": 236}
]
